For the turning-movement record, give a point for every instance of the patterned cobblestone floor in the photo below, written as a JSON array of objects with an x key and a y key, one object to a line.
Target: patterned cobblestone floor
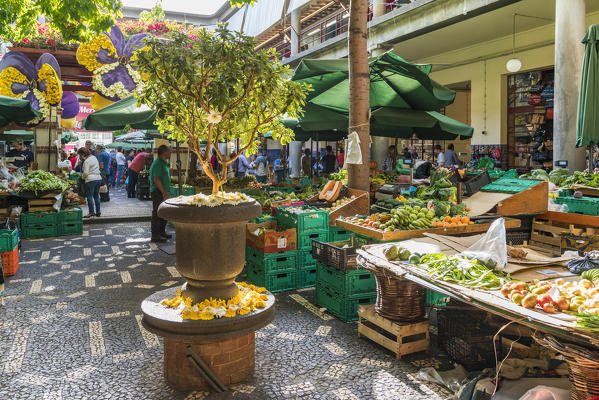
[{"x": 70, "y": 329}]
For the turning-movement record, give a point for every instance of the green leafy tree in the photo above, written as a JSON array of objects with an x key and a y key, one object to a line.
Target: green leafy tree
[
  {"x": 239, "y": 3},
  {"x": 76, "y": 20},
  {"x": 217, "y": 88}
]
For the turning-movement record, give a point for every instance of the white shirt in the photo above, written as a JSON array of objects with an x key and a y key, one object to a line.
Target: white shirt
[
  {"x": 441, "y": 160},
  {"x": 91, "y": 170},
  {"x": 120, "y": 159}
]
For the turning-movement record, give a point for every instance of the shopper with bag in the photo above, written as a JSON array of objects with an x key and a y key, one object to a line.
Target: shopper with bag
[{"x": 93, "y": 180}]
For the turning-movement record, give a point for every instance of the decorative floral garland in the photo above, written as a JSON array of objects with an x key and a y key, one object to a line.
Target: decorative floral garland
[
  {"x": 53, "y": 93},
  {"x": 117, "y": 88},
  {"x": 8, "y": 76},
  {"x": 11, "y": 75},
  {"x": 248, "y": 299},
  {"x": 87, "y": 52},
  {"x": 214, "y": 200}
]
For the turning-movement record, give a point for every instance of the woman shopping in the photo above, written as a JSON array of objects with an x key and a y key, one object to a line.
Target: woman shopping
[{"x": 90, "y": 173}]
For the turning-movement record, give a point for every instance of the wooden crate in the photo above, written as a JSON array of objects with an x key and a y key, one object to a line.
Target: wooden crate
[
  {"x": 529, "y": 201},
  {"x": 546, "y": 235},
  {"x": 36, "y": 205},
  {"x": 358, "y": 206},
  {"x": 402, "y": 338}
]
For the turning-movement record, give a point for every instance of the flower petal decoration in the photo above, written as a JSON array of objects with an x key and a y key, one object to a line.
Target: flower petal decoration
[
  {"x": 39, "y": 83},
  {"x": 69, "y": 105},
  {"x": 109, "y": 57}
]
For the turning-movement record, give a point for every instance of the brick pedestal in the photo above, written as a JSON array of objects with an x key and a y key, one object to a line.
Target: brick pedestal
[{"x": 232, "y": 360}]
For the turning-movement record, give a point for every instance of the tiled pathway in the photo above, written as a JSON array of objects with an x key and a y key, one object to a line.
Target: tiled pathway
[{"x": 70, "y": 329}]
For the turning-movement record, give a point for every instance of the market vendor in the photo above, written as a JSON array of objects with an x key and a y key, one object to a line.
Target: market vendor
[
  {"x": 160, "y": 185},
  {"x": 391, "y": 160},
  {"x": 20, "y": 155}
]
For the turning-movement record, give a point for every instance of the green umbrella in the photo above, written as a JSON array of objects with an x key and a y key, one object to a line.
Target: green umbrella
[
  {"x": 128, "y": 146},
  {"x": 394, "y": 82},
  {"x": 16, "y": 110},
  {"x": 587, "y": 123},
  {"x": 118, "y": 115},
  {"x": 8, "y": 136}
]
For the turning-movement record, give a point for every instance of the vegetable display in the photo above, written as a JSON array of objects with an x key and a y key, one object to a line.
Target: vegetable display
[{"x": 41, "y": 181}]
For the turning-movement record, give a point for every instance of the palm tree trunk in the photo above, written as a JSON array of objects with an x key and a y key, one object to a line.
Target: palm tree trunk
[{"x": 359, "y": 91}]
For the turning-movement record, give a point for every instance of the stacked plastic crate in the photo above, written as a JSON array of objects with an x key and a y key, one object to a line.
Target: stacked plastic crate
[
  {"x": 311, "y": 223},
  {"x": 9, "y": 251},
  {"x": 271, "y": 256},
  {"x": 35, "y": 225},
  {"x": 341, "y": 287},
  {"x": 70, "y": 221},
  {"x": 142, "y": 189}
]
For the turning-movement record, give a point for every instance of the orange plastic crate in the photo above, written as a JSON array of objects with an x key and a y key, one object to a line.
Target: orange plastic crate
[{"x": 10, "y": 261}]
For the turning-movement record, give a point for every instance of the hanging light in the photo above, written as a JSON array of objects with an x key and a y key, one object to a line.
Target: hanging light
[{"x": 514, "y": 64}]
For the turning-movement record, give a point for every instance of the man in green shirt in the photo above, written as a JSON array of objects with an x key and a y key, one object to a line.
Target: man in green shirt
[{"x": 160, "y": 185}]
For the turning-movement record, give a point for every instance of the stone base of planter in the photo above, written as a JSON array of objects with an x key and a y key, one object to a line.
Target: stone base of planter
[{"x": 231, "y": 360}]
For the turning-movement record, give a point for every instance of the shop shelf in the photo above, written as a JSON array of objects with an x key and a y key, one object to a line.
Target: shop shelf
[
  {"x": 39, "y": 218},
  {"x": 337, "y": 234},
  {"x": 271, "y": 262},
  {"x": 346, "y": 309},
  {"x": 310, "y": 219},
  {"x": 9, "y": 239},
  {"x": 73, "y": 228},
  {"x": 70, "y": 215},
  {"x": 435, "y": 299},
  {"x": 39, "y": 231},
  {"x": 350, "y": 283},
  {"x": 10, "y": 261},
  {"x": 277, "y": 281},
  {"x": 305, "y": 259},
  {"x": 304, "y": 240},
  {"x": 306, "y": 277}
]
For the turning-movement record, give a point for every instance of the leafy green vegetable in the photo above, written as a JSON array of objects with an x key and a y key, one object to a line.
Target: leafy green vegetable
[
  {"x": 41, "y": 181},
  {"x": 557, "y": 175}
]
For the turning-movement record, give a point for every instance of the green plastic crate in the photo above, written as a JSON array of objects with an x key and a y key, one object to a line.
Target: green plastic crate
[
  {"x": 304, "y": 258},
  {"x": 262, "y": 218},
  {"x": 435, "y": 299},
  {"x": 39, "y": 231},
  {"x": 282, "y": 189},
  {"x": 187, "y": 191},
  {"x": 39, "y": 218},
  {"x": 70, "y": 215},
  {"x": 350, "y": 283},
  {"x": 272, "y": 262},
  {"x": 583, "y": 205},
  {"x": 306, "y": 277},
  {"x": 74, "y": 177},
  {"x": 509, "y": 185},
  {"x": 73, "y": 228},
  {"x": 311, "y": 219},
  {"x": 346, "y": 309},
  {"x": 338, "y": 234},
  {"x": 304, "y": 240},
  {"x": 9, "y": 239},
  {"x": 403, "y": 171},
  {"x": 274, "y": 281}
]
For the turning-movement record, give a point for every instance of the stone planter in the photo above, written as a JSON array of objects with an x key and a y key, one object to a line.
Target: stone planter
[{"x": 210, "y": 245}]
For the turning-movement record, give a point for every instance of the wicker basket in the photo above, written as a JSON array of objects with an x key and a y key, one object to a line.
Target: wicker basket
[
  {"x": 583, "y": 365},
  {"x": 397, "y": 298}
]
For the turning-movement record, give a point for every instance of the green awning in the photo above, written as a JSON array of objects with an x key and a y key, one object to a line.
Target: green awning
[
  {"x": 129, "y": 146},
  {"x": 8, "y": 136},
  {"x": 426, "y": 125},
  {"x": 120, "y": 114},
  {"x": 16, "y": 110},
  {"x": 587, "y": 123}
]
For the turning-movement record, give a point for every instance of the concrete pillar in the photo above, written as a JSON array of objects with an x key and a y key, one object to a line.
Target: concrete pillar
[
  {"x": 296, "y": 27},
  {"x": 378, "y": 8},
  {"x": 379, "y": 144},
  {"x": 295, "y": 156},
  {"x": 570, "y": 28}
]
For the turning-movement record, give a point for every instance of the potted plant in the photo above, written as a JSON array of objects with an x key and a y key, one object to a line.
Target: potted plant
[{"x": 211, "y": 88}]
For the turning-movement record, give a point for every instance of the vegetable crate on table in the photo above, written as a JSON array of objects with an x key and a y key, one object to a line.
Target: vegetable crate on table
[
  {"x": 275, "y": 271},
  {"x": 304, "y": 218},
  {"x": 583, "y": 205},
  {"x": 267, "y": 238},
  {"x": 402, "y": 338}
]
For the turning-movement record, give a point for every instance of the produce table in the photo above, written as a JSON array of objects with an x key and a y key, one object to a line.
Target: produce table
[
  {"x": 510, "y": 223},
  {"x": 558, "y": 324}
]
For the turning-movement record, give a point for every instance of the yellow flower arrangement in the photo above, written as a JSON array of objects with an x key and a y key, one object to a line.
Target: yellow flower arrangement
[
  {"x": 53, "y": 92},
  {"x": 87, "y": 52},
  {"x": 11, "y": 75},
  {"x": 248, "y": 299}
]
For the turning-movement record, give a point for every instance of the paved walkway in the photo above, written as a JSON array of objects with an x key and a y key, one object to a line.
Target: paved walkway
[
  {"x": 121, "y": 208},
  {"x": 70, "y": 329}
]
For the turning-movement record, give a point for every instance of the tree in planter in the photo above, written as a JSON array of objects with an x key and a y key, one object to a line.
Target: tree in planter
[{"x": 216, "y": 88}]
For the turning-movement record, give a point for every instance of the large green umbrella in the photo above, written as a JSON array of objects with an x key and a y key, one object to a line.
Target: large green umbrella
[
  {"x": 587, "y": 122},
  {"x": 16, "y": 110},
  {"x": 117, "y": 115},
  {"x": 394, "y": 82},
  {"x": 11, "y": 135},
  {"x": 127, "y": 145}
]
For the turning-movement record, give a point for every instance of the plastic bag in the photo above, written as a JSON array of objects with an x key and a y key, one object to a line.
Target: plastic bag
[
  {"x": 589, "y": 261},
  {"x": 451, "y": 379},
  {"x": 546, "y": 393},
  {"x": 491, "y": 249},
  {"x": 354, "y": 152}
]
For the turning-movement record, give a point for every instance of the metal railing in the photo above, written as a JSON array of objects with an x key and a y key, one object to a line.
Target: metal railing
[
  {"x": 323, "y": 30},
  {"x": 282, "y": 49}
]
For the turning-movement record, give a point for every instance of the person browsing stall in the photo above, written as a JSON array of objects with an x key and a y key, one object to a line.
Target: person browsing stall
[
  {"x": 135, "y": 167},
  {"x": 22, "y": 157},
  {"x": 160, "y": 186},
  {"x": 90, "y": 173}
]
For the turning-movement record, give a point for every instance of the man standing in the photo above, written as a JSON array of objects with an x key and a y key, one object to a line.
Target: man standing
[
  {"x": 112, "y": 168},
  {"x": 390, "y": 161},
  {"x": 134, "y": 168},
  {"x": 160, "y": 185},
  {"x": 21, "y": 156},
  {"x": 90, "y": 146},
  {"x": 451, "y": 158},
  {"x": 329, "y": 160},
  {"x": 241, "y": 166},
  {"x": 307, "y": 163},
  {"x": 261, "y": 165},
  {"x": 104, "y": 159},
  {"x": 121, "y": 161},
  {"x": 440, "y": 156}
]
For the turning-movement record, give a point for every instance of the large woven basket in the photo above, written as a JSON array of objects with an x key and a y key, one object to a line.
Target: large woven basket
[
  {"x": 583, "y": 365},
  {"x": 396, "y": 298}
]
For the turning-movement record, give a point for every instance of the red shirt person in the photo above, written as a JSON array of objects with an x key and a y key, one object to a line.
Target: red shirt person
[{"x": 139, "y": 161}]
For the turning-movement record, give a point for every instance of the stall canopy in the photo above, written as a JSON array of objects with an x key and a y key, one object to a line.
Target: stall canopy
[
  {"x": 16, "y": 110},
  {"x": 8, "y": 136},
  {"x": 117, "y": 115},
  {"x": 587, "y": 124},
  {"x": 403, "y": 100},
  {"x": 126, "y": 145}
]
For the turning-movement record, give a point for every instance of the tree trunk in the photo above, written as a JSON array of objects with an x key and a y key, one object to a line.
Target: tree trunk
[
  {"x": 192, "y": 171},
  {"x": 359, "y": 91}
]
